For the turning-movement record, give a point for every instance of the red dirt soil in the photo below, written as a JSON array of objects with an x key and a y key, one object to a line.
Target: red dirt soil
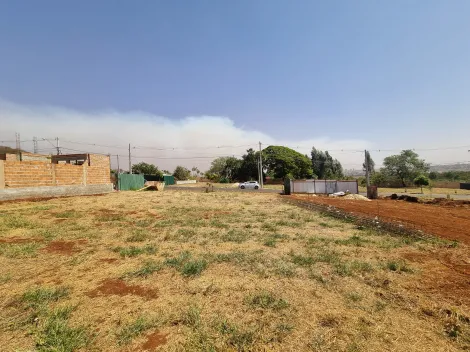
[
  {"x": 154, "y": 340},
  {"x": 120, "y": 288},
  {"x": 63, "y": 247},
  {"x": 449, "y": 222}
]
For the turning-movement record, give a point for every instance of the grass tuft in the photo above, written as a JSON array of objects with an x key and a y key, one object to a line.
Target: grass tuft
[
  {"x": 56, "y": 334},
  {"x": 146, "y": 270},
  {"x": 133, "y": 251},
  {"x": 40, "y": 296},
  {"x": 266, "y": 300},
  {"x": 131, "y": 330}
]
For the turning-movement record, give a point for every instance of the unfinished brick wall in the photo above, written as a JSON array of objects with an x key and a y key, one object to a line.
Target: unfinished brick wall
[
  {"x": 28, "y": 174},
  {"x": 66, "y": 174},
  {"x": 38, "y": 173},
  {"x": 98, "y": 171}
]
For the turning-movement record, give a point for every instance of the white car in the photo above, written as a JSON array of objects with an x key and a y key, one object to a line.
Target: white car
[{"x": 249, "y": 185}]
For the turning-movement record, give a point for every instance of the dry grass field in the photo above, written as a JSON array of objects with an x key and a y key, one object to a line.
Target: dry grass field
[{"x": 194, "y": 271}]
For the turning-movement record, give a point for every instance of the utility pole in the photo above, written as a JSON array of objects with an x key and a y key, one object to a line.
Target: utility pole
[
  {"x": 118, "y": 163},
  {"x": 130, "y": 167},
  {"x": 35, "y": 145},
  {"x": 18, "y": 146},
  {"x": 260, "y": 167},
  {"x": 367, "y": 168},
  {"x": 58, "y": 145}
]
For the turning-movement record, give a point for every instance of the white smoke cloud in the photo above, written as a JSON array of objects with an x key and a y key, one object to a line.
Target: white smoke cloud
[{"x": 191, "y": 141}]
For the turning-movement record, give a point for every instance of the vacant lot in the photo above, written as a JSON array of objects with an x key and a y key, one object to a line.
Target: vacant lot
[{"x": 187, "y": 271}]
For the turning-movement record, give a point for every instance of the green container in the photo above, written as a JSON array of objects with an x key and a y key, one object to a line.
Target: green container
[
  {"x": 130, "y": 182},
  {"x": 169, "y": 180}
]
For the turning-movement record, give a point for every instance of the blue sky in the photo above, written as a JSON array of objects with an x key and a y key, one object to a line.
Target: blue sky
[{"x": 389, "y": 74}]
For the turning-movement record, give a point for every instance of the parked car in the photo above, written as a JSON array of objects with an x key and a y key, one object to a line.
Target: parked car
[{"x": 249, "y": 185}]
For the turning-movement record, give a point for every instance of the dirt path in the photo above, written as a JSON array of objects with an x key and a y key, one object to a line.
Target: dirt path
[{"x": 447, "y": 221}]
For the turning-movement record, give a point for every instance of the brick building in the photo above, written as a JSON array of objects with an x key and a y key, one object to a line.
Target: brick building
[{"x": 28, "y": 170}]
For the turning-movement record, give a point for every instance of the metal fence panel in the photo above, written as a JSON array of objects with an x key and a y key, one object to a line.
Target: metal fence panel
[
  {"x": 323, "y": 186},
  {"x": 129, "y": 182}
]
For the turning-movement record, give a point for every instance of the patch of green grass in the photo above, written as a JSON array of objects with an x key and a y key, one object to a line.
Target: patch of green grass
[
  {"x": 194, "y": 267},
  {"x": 272, "y": 239},
  {"x": 268, "y": 226},
  {"x": 4, "y": 278},
  {"x": 42, "y": 207},
  {"x": 110, "y": 217},
  {"x": 40, "y": 296},
  {"x": 133, "y": 251},
  {"x": 325, "y": 224},
  {"x": 15, "y": 221},
  {"x": 192, "y": 317},
  {"x": 328, "y": 256},
  {"x": 147, "y": 269},
  {"x": 186, "y": 265},
  {"x": 354, "y": 240},
  {"x": 266, "y": 300},
  {"x": 48, "y": 234},
  {"x": 354, "y": 296},
  {"x": 283, "y": 268},
  {"x": 301, "y": 260},
  {"x": 219, "y": 224},
  {"x": 133, "y": 329},
  {"x": 398, "y": 266},
  {"x": 143, "y": 222},
  {"x": 55, "y": 333},
  {"x": 235, "y": 235},
  {"x": 67, "y": 214},
  {"x": 138, "y": 236},
  {"x": 182, "y": 235},
  {"x": 19, "y": 250}
]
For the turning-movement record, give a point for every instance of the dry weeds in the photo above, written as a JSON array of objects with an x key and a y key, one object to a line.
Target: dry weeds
[{"x": 176, "y": 271}]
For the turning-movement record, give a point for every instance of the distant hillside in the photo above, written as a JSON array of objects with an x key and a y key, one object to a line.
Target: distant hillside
[
  {"x": 450, "y": 167},
  {"x": 6, "y": 150}
]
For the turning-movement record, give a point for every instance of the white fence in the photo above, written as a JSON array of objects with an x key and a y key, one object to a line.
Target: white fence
[
  {"x": 323, "y": 186},
  {"x": 185, "y": 182}
]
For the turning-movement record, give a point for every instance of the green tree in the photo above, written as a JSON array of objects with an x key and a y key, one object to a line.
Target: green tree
[
  {"x": 249, "y": 169},
  {"x": 282, "y": 161},
  {"x": 378, "y": 179},
  {"x": 181, "y": 173},
  {"x": 225, "y": 167},
  {"x": 324, "y": 166},
  {"x": 421, "y": 181},
  {"x": 146, "y": 169},
  {"x": 433, "y": 175},
  {"x": 406, "y": 166}
]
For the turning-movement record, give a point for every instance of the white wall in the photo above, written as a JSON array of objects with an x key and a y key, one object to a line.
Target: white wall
[{"x": 185, "y": 182}]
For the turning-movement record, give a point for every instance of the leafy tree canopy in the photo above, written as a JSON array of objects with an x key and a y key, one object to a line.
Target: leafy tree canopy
[
  {"x": 146, "y": 169},
  {"x": 406, "y": 166},
  {"x": 181, "y": 173},
  {"x": 282, "y": 162},
  {"x": 324, "y": 166}
]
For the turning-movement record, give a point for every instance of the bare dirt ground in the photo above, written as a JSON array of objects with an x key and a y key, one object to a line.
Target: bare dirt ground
[
  {"x": 194, "y": 271},
  {"x": 447, "y": 219}
]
